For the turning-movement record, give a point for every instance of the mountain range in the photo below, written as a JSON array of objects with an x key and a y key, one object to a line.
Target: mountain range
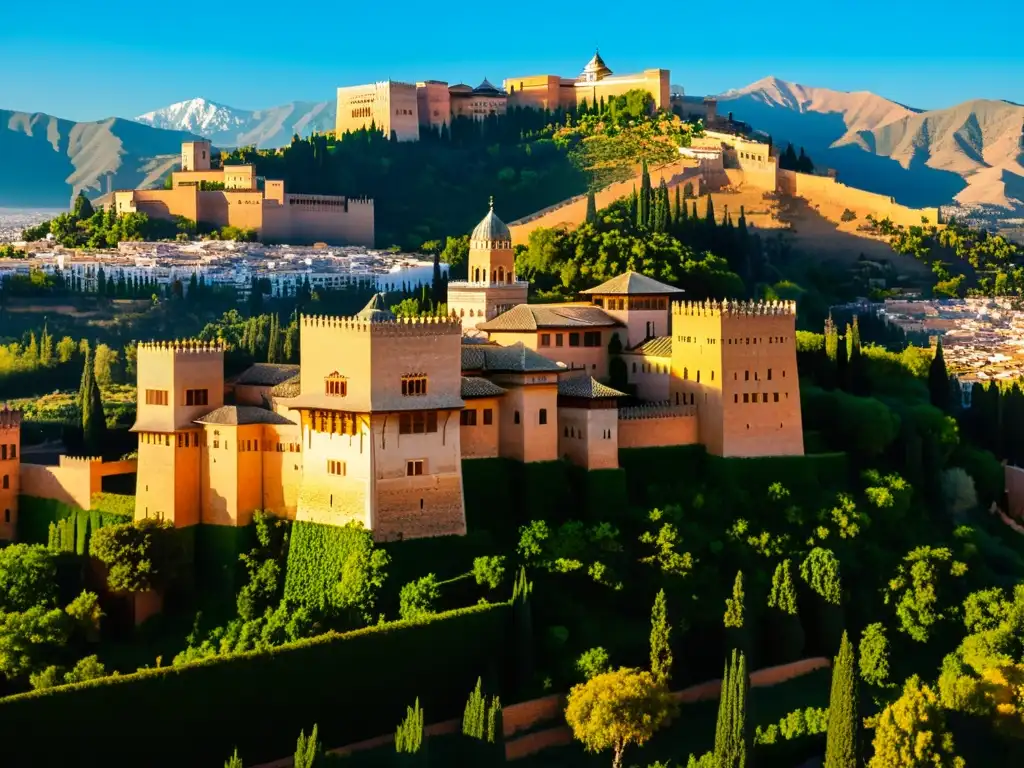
[
  {"x": 229, "y": 127},
  {"x": 971, "y": 154}
]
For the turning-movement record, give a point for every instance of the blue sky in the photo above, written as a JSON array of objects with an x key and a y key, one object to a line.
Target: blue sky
[{"x": 122, "y": 57}]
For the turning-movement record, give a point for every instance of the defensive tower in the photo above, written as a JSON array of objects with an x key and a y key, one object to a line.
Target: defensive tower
[{"x": 10, "y": 471}]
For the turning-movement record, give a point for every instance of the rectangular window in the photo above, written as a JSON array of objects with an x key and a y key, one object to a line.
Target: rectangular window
[
  {"x": 543, "y": 415},
  {"x": 336, "y": 386},
  {"x": 196, "y": 397},
  {"x": 156, "y": 397},
  {"x": 417, "y": 422},
  {"x": 574, "y": 339},
  {"x": 746, "y": 375},
  {"x": 558, "y": 339},
  {"x": 545, "y": 339},
  {"x": 335, "y": 467},
  {"x": 776, "y": 397},
  {"x": 414, "y": 385},
  {"x": 592, "y": 339},
  {"x": 3, "y": 453},
  {"x": 746, "y": 397},
  {"x": 414, "y": 467},
  {"x": 468, "y": 417},
  {"x": 181, "y": 441},
  {"x": 14, "y": 451},
  {"x": 764, "y": 397},
  {"x": 7, "y": 481},
  {"x": 515, "y": 417},
  {"x": 488, "y": 417}
]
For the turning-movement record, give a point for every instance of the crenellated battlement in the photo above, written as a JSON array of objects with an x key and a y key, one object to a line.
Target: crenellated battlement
[
  {"x": 402, "y": 326},
  {"x": 75, "y": 461},
  {"x": 733, "y": 308},
  {"x": 183, "y": 346},
  {"x": 660, "y": 410},
  {"x": 9, "y": 418}
]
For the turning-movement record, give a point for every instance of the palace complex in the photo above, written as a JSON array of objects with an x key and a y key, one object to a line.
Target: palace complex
[
  {"x": 400, "y": 109},
  {"x": 234, "y": 196},
  {"x": 375, "y": 422}
]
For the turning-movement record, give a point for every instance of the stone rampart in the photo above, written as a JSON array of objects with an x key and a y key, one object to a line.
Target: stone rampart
[
  {"x": 73, "y": 480},
  {"x": 658, "y": 424},
  {"x": 826, "y": 190}
]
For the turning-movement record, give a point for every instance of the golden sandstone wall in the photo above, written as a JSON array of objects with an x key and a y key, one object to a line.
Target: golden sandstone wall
[
  {"x": 588, "y": 437},
  {"x": 824, "y": 189},
  {"x": 73, "y": 481},
  {"x": 480, "y": 440},
  {"x": 649, "y": 426},
  {"x": 10, "y": 474}
]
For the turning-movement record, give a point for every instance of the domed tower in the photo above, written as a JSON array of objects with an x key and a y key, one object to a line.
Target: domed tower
[
  {"x": 595, "y": 70},
  {"x": 492, "y": 287}
]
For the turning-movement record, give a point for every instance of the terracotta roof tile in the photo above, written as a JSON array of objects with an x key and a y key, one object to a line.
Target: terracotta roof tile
[
  {"x": 238, "y": 415},
  {"x": 631, "y": 283},
  {"x": 474, "y": 386},
  {"x": 515, "y": 358},
  {"x": 266, "y": 374},
  {"x": 530, "y": 317},
  {"x": 653, "y": 346},
  {"x": 586, "y": 387}
]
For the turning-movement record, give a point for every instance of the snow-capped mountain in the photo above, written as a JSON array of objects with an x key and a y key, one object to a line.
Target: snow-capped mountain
[{"x": 229, "y": 127}]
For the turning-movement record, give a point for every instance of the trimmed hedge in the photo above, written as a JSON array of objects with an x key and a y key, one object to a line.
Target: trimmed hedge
[
  {"x": 600, "y": 494},
  {"x": 488, "y": 489},
  {"x": 216, "y": 552},
  {"x": 354, "y": 686},
  {"x": 35, "y": 515},
  {"x": 317, "y": 559}
]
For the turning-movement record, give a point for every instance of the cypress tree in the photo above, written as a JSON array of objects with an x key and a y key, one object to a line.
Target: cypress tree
[
  {"x": 94, "y": 422},
  {"x": 522, "y": 619},
  {"x": 481, "y": 722},
  {"x": 308, "y": 752},
  {"x": 591, "y": 207},
  {"x": 693, "y": 211},
  {"x": 709, "y": 213},
  {"x": 661, "y": 650},
  {"x": 234, "y": 761},
  {"x": 734, "y": 605},
  {"x": 787, "y": 634},
  {"x": 938, "y": 380},
  {"x": 274, "y": 341},
  {"x": 677, "y": 207},
  {"x": 841, "y": 744},
  {"x": 731, "y": 742},
  {"x": 409, "y": 736},
  {"x": 645, "y": 197}
]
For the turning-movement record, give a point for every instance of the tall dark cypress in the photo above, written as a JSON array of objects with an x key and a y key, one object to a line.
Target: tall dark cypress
[
  {"x": 841, "y": 744},
  {"x": 591, "y": 208},
  {"x": 731, "y": 742},
  {"x": 938, "y": 379},
  {"x": 94, "y": 421}
]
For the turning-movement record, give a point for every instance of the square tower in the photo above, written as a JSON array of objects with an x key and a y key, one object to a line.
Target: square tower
[
  {"x": 178, "y": 382},
  {"x": 492, "y": 287},
  {"x": 736, "y": 362},
  {"x": 380, "y": 401},
  {"x": 196, "y": 155},
  {"x": 10, "y": 471},
  {"x": 639, "y": 302}
]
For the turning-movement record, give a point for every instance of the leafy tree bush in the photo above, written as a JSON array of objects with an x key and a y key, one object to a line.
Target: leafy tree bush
[
  {"x": 916, "y": 590},
  {"x": 874, "y": 656},
  {"x": 489, "y": 570},
  {"x": 418, "y": 598},
  {"x": 234, "y": 761},
  {"x": 593, "y": 662},
  {"x": 28, "y": 578},
  {"x": 661, "y": 649},
  {"x": 409, "y": 736},
  {"x": 309, "y": 752},
  {"x": 617, "y": 709},
  {"x": 911, "y": 732},
  {"x": 142, "y": 555}
]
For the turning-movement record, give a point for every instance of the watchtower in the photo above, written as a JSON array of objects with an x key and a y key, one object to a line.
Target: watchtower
[
  {"x": 178, "y": 382},
  {"x": 10, "y": 471},
  {"x": 379, "y": 400},
  {"x": 196, "y": 155},
  {"x": 736, "y": 362},
  {"x": 492, "y": 287}
]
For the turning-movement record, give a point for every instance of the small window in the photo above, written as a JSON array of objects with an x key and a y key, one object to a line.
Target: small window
[
  {"x": 558, "y": 339},
  {"x": 776, "y": 397},
  {"x": 764, "y": 397},
  {"x": 515, "y": 417},
  {"x": 413, "y": 468},
  {"x": 413, "y": 386},
  {"x": 735, "y": 398},
  {"x": 7, "y": 481},
  {"x": 335, "y": 467},
  {"x": 746, "y": 397},
  {"x": 574, "y": 339},
  {"x": 7, "y": 515},
  {"x": 468, "y": 417},
  {"x": 196, "y": 397},
  {"x": 156, "y": 397},
  {"x": 592, "y": 339},
  {"x": 417, "y": 422},
  {"x": 543, "y": 415},
  {"x": 14, "y": 452},
  {"x": 3, "y": 452},
  {"x": 336, "y": 386},
  {"x": 746, "y": 375},
  {"x": 545, "y": 339},
  {"x": 488, "y": 417}
]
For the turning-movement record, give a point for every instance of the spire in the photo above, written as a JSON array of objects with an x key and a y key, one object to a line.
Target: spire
[{"x": 491, "y": 202}]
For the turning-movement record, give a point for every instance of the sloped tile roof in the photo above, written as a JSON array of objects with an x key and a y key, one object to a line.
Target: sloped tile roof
[
  {"x": 530, "y": 317},
  {"x": 515, "y": 358},
  {"x": 288, "y": 388},
  {"x": 474, "y": 386},
  {"x": 238, "y": 415},
  {"x": 266, "y": 374},
  {"x": 653, "y": 346},
  {"x": 586, "y": 387},
  {"x": 631, "y": 283}
]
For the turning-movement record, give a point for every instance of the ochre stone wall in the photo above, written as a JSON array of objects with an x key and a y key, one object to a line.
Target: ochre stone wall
[
  {"x": 480, "y": 441},
  {"x": 529, "y": 440},
  {"x": 73, "y": 481},
  {"x": 336, "y": 499},
  {"x": 534, "y": 91},
  {"x": 824, "y": 189},
  {"x": 682, "y": 429},
  {"x": 588, "y": 437},
  {"x": 650, "y": 375},
  {"x": 10, "y": 472},
  {"x": 433, "y": 103},
  {"x": 640, "y": 324},
  {"x": 282, "y": 469},
  {"x": 477, "y": 303},
  {"x": 594, "y": 360},
  {"x": 390, "y": 106},
  {"x": 412, "y": 507}
]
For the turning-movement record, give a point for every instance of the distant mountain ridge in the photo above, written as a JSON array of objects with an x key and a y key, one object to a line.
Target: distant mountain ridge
[
  {"x": 230, "y": 127},
  {"x": 45, "y": 160},
  {"x": 972, "y": 153}
]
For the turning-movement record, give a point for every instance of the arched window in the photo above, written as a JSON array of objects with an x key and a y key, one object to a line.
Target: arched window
[{"x": 501, "y": 274}]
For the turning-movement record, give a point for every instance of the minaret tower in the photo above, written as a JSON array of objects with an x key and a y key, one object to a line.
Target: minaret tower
[
  {"x": 492, "y": 287},
  {"x": 10, "y": 471}
]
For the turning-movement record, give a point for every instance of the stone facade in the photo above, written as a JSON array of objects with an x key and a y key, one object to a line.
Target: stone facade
[
  {"x": 10, "y": 471},
  {"x": 389, "y": 106},
  {"x": 276, "y": 216}
]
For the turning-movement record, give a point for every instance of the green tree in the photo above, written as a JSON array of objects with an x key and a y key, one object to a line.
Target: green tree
[
  {"x": 938, "y": 380},
  {"x": 83, "y": 208},
  {"x": 841, "y": 745},
  {"x": 489, "y": 570},
  {"x": 591, "y": 217},
  {"x": 30, "y": 639},
  {"x": 65, "y": 349},
  {"x": 787, "y": 632},
  {"x": 28, "y": 578},
  {"x": 917, "y": 590},
  {"x": 661, "y": 649},
  {"x": 234, "y": 761},
  {"x": 734, "y": 605},
  {"x": 94, "y": 421},
  {"x": 309, "y": 752},
  {"x": 616, "y": 710},
  {"x": 731, "y": 736},
  {"x": 409, "y": 736},
  {"x": 482, "y": 725},
  {"x": 593, "y": 662},
  {"x": 418, "y": 598},
  {"x": 874, "y": 656},
  {"x": 139, "y": 556},
  {"x": 911, "y": 732},
  {"x": 104, "y": 362}
]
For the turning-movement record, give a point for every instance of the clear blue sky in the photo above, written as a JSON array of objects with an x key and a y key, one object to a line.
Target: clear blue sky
[{"x": 125, "y": 57}]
